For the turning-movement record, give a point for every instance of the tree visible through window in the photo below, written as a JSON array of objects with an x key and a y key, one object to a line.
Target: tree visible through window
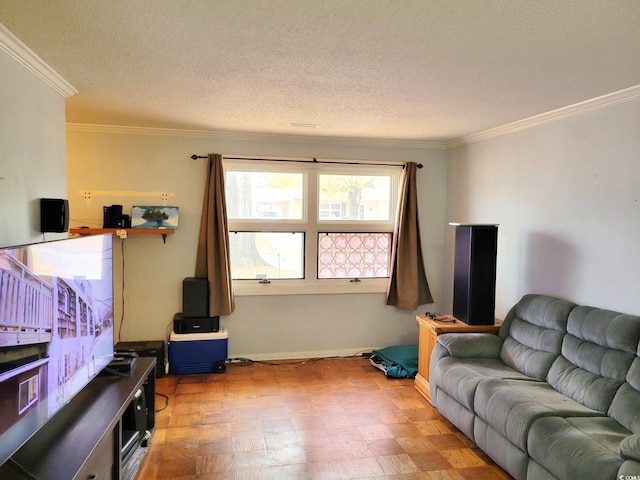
[{"x": 309, "y": 221}]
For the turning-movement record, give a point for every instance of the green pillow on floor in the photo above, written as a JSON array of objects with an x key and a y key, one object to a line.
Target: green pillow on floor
[{"x": 399, "y": 361}]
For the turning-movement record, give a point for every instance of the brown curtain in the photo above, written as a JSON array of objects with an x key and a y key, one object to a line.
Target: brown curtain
[
  {"x": 212, "y": 260},
  {"x": 408, "y": 287}
]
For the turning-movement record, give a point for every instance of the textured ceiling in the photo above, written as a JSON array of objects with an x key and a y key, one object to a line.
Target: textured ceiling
[{"x": 429, "y": 70}]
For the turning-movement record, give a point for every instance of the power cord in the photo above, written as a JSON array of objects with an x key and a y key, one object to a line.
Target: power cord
[
  {"x": 438, "y": 317},
  {"x": 245, "y": 362},
  {"x": 166, "y": 401},
  {"x": 122, "y": 296}
]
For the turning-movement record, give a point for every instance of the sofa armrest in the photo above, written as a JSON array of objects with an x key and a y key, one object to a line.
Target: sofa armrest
[
  {"x": 630, "y": 447},
  {"x": 471, "y": 345}
]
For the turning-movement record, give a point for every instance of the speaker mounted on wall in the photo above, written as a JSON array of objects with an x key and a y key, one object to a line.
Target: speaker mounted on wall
[{"x": 54, "y": 215}]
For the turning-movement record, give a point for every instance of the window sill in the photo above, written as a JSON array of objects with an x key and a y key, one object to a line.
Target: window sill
[{"x": 300, "y": 287}]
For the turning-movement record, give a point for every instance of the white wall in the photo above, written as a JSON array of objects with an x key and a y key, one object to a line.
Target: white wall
[
  {"x": 32, "y": 149},
  {"x": 567, "y": 197},
  {"x": 142, "y": 160}
]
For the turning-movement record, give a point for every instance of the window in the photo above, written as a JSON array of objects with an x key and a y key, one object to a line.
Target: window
[
  {"x": 309, "y": 227},
  {"x": 331, "y": 210},
  {"x": 264, "y": 255},
  {"x": 353, "y": 255},
  {"x": 27, "y": 393}
]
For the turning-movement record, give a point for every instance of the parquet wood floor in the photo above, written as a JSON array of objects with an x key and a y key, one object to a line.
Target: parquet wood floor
[{"x": 334, "y": 419}]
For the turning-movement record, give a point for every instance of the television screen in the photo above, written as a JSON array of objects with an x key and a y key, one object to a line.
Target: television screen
[{"x": 56, "y": 329}]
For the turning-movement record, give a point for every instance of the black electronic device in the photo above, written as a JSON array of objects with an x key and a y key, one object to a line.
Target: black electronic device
[
  {"x": 106, "y": 217},
  {"x": 150, "y": 348},
  {"x": 123, "y": 363},
  {"x": 183, "y": 324},
  {"x": 112, "y": 217},
  {"x": 195, "y": 297},
  {"x": 134, "y": 425},
  {"x": 474, "y": 283},
  {"x": 54, "y": 215}
]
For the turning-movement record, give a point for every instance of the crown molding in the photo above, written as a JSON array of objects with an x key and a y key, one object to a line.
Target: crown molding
[
  {"x": 254, "y": 137},
  {"x": 22, "y": 54},
  {"x": 597, "y": 103}
]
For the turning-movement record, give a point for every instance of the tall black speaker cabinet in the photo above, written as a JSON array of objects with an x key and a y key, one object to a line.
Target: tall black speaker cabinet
[{"x": 474, "y": 274}]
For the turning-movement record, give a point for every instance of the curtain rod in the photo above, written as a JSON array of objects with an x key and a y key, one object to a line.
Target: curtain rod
[{"x": 196, "y": 157}]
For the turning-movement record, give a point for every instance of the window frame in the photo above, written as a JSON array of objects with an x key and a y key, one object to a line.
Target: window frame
[{"x": 312, "y": 225}]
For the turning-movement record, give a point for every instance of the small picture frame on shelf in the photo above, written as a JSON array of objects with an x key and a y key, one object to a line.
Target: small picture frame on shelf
[{"x": 154, "y": 217}]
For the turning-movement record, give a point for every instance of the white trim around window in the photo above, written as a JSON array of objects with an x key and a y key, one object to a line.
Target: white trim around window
[{"x": 266, "y": 209}]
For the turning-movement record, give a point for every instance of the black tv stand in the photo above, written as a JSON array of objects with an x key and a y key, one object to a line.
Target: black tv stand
[
  {"x": 21, "y": 471},
  {"x": 85, "y": 438}
]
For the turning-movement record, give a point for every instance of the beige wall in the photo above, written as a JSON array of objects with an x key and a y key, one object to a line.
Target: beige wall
[
  {"x": 140, "y": 160},
  {"x": 567, "y": 197},
  {"x": 565, "y": 194},
  {"x": 32, "y": 151}
]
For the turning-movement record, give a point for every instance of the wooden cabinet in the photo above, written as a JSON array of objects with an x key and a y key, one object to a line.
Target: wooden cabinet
[
  {"x": 84, "y": 439},
  {"x": 429, "y": 330}
]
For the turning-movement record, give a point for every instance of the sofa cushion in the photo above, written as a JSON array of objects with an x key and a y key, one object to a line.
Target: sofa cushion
[
  {"x": 533, "y": 332},
  {"x": 630, "y": 447},
  {"x": 597, "y": 353},
  {"x": 583, "y": 386},
  {"x": 459, "y": 377},
  {"x": 625, "y": 407},
  {"x": 577, "y": 448},
  {"x": 610, "y": 329},
  {"x": 457, "y": 414},
  {"x": 471, "y": 345},
  {"x": 502, "y": 451},
  {"x": 511, "y": 406}
]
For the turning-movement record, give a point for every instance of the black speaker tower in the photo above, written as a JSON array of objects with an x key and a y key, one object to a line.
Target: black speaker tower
[{"x": 474, "y": 274}]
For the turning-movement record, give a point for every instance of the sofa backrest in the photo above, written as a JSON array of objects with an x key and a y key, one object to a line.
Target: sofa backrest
[
  {"x": 532, "y": 334},
  {"x": 625, "y": 407},
  {"x": 597, "y": 354}
]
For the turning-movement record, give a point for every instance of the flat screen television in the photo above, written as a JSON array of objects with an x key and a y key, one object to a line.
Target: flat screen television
[{"x": 56, "y": 329}]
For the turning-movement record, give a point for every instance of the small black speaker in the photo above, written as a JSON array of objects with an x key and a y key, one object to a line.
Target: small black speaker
[
  {"x": 54, "y": 215},
  {"x": 195, "y": 297}
]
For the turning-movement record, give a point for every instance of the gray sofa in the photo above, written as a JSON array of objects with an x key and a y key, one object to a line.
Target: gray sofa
[{"x": 555, "y": 395}]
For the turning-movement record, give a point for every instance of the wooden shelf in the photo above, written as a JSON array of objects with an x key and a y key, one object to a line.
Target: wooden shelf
[{"x": 127, "y": 231}]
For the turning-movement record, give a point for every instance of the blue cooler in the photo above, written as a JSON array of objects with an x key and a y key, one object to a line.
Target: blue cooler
[{"x": 198, "y": 352}]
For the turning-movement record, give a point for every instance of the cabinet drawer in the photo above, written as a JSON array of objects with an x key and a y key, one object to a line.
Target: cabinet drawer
[{"x": 102, "y": 462}]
